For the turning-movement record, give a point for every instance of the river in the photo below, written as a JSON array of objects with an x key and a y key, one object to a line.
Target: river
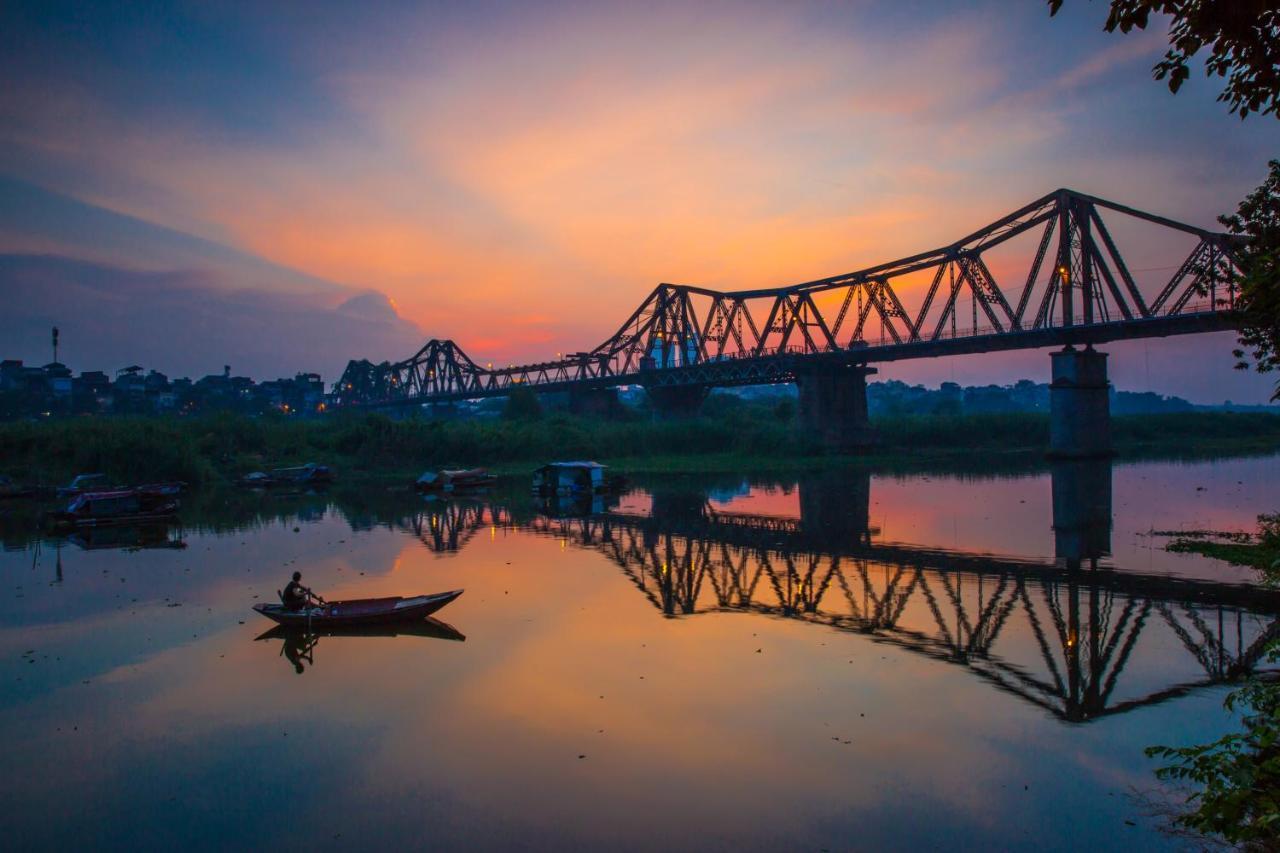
[{"x": 846, "y": 660}]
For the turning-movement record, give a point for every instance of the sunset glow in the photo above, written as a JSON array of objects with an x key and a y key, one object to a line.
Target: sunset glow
[{"x": 517, "y": 179}]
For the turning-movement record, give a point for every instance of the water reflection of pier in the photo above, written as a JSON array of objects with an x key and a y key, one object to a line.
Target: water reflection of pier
[{"x": 1052, "y": 633}]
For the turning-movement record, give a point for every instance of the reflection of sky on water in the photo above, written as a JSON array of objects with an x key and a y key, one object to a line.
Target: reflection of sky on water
[
  {"x": 145, "y": 724},
  {"x": 725, "y": 495},
  {"x": 1013, "y": 515}
]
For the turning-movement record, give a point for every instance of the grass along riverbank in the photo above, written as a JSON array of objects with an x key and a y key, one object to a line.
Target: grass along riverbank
[
  {"x": 203, "y": 450},
  {"x": 1259, "y": 550}
]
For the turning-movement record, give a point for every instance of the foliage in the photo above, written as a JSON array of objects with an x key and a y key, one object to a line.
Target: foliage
[
  {"x": 1238, "y": 775},
  {"x": 133, "y": 449},
  {"x": 1243, "y": 37},
  {"x": 1260, "y": 551},
  {"x": 219, "y": 447},
  {"x": 522, "y": 405},
  {"x": 1258, "y": 221}
]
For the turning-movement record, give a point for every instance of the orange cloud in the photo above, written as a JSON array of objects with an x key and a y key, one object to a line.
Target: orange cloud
[{"x": 521, "y": 192}]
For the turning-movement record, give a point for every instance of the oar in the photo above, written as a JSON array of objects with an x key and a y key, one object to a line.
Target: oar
[{"x": 322, "y": 603}]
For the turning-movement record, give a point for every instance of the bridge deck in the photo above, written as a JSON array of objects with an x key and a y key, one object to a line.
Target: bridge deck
[{"x": 779, "y": 367}]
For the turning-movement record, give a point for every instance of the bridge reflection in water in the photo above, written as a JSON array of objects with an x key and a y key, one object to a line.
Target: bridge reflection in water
[{"x": 1077, "y": 640}]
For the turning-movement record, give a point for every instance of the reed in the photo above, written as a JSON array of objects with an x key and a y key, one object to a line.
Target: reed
[{"x": 201, "y": 450}]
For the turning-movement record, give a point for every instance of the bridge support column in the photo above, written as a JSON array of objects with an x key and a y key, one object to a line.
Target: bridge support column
[
  {"x": 833, "y": 405},
  {"x": 676, "y": 401},
  {"x": 595, "y": 402},
  {"x": 1081, "y": 510},
  {"x": 1079, "y": 404}
]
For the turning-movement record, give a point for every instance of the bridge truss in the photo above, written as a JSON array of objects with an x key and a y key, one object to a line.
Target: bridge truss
[{"x": 1070, "y": 283}]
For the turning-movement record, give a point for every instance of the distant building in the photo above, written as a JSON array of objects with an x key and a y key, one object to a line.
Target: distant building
[
  {"x": 53, "y": 389},
  {"x": 12, "y": 375},
  {"x": 91, "y": 392}
]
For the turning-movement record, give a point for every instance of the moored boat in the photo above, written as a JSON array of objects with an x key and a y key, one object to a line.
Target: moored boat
[
  {"x": 121, "y": 506},
  {"x": 310, "y": 474},
  {"x": 82, "y": 483},
  {"x": 575, "y": 478},
  {"x": 455, "y": 480},
  {"x": 359, "y": 611},
  {"x": 173, "y": 487}
]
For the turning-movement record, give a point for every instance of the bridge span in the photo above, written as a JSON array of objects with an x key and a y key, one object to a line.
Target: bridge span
[{"x": 1050, "y": 274}]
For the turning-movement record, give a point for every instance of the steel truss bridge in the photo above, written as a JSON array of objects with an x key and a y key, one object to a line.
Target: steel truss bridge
[
  {"x": 1056, "y": 638},
  {"x": 1065, "y": 282}
]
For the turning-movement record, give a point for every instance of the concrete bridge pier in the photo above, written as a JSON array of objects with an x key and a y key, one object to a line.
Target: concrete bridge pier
[
  {"x": 595, "y": 402},
  {"x": 1081, "y": 510},
  {"x": 833, "y": 405},
  {"x": 676, "y": 401},
  {"x": 1079, "y": 404}
]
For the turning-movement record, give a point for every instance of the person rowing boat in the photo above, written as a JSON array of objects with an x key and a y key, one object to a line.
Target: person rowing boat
[
  {"x": 296, "y": 596},
  {"x": 297, "y": 608}
]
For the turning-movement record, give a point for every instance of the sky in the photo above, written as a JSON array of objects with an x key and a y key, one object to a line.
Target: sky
[{"x": 285, "y": 186}]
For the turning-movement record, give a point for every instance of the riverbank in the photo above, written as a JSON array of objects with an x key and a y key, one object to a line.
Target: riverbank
[{"x": 218, "y": 449}]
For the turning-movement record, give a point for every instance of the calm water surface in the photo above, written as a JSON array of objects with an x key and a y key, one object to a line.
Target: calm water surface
[{"x": 844, "y": 661}]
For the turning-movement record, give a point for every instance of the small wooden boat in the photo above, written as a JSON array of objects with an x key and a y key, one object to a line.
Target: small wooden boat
[
  {"x": 310, "y": 474},
  {"x": 455, "y": 480},
  {"x": 359, "y": 611},
  {"x": 87, "y": 483},
  {"x": 174, "y": 487},
  {"x": 125, "y": 506}
]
